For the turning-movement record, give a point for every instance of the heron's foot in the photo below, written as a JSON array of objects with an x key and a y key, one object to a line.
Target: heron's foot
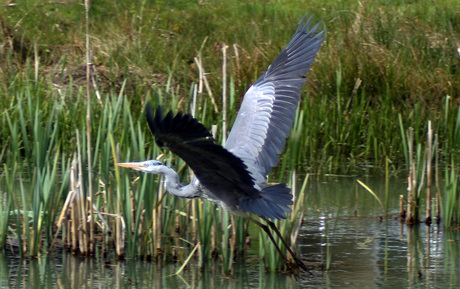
[
  {"x": 301, "y": 264},
  {"x": 296, "y": 267},
  {"x": 292, "y": 268}
]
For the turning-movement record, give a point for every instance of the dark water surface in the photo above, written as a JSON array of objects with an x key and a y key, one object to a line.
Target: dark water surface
[{"x": 343, "y": 231}]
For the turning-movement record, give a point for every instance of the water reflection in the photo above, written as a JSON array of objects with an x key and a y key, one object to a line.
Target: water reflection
[
  {"x": 71, "y": 271},
  {"x": 342, "y": 226}
]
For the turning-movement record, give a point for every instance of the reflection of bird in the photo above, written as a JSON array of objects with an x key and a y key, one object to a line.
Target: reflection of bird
[{"x": 235, "y": 177}]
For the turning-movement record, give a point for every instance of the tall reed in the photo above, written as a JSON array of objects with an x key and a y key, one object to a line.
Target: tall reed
[
  {"x": 451, "y": 214},
  {"x": 345, "y": 124},
  {"x": 5, "y": 211}
]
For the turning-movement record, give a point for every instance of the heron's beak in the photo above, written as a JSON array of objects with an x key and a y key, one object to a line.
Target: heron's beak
[{"x": 135, "y": 165}]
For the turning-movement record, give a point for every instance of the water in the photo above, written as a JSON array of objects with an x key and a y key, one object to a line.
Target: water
[{"x": 343, "y": 230}]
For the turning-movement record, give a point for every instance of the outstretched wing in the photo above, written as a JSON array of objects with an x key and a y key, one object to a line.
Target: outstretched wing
[
  {"x": 218, "y": 170},
  {"x": 268, "y": 109}
]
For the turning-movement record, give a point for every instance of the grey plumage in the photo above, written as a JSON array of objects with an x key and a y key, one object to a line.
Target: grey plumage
[{"x": 235, "y": 177}]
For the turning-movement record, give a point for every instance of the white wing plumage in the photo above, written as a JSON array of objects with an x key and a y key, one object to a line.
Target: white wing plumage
[{"x": 268, "y": 109}]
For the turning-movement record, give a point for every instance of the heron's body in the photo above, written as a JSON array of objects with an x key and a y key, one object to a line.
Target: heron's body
[{"x": 235, "y": 177}]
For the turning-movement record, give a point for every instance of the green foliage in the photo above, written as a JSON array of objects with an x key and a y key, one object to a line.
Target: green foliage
[
  {"x": 380, "y": 59},
  {"x": 451, "y": 200}
]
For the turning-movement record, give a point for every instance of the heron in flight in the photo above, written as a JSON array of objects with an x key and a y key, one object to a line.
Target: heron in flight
[{"x": 235, "y": 176}]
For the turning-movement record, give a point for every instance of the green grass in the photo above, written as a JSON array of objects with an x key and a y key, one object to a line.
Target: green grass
[{"x": 380, "y": 60}]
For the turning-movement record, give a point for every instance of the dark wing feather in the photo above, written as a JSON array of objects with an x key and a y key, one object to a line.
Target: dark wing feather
[{"x": 218, "y": 170}]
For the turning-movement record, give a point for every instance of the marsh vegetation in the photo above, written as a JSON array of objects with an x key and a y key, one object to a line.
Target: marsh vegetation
[{"x": 386, "y": 68}]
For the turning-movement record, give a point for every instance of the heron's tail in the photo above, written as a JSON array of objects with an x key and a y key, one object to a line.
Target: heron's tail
[{"x": 272, "y": 203}]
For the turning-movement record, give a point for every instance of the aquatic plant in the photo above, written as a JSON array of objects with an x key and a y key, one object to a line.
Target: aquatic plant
[{"x": 375, "y": 64}]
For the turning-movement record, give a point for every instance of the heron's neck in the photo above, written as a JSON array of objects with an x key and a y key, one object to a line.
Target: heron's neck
[{"x": 173, "y": 186}]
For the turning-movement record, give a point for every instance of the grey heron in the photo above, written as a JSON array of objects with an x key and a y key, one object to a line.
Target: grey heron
[{"x": 235, "y": 176}]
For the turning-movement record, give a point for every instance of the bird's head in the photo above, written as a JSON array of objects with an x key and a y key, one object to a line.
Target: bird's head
[{"x": 150, "y": 166}]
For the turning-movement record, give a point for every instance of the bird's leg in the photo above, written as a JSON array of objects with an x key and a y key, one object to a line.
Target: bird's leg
[
  {"x": 292, "y": 267},
  {"x": 297, "y": 260}
]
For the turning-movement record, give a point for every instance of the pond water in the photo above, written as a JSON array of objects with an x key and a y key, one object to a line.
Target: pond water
[{"x": 344, "y": 231}]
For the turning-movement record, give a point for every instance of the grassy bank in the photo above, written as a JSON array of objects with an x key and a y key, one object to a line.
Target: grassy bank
[{"x": 381, "y": 60}]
